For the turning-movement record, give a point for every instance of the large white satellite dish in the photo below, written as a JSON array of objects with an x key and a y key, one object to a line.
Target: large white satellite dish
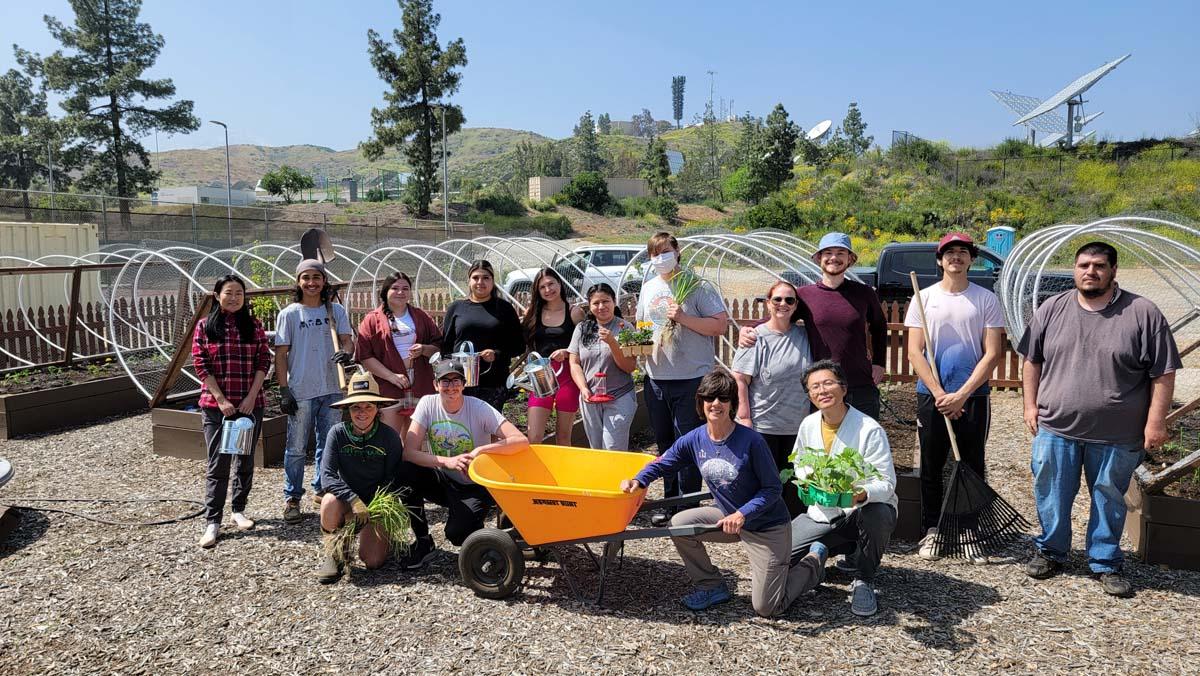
[{"x": 820, "y": 130}]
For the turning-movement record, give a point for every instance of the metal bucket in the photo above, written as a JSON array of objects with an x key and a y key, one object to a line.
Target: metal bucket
[
  {"x": 468, "y": 360},
  {"x": 237, "y": 436},
  {"x": 541, "y": 375}
]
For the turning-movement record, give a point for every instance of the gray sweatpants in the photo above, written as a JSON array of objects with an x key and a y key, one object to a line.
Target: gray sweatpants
[
  {"x": 607, "y": 425},
  {"x": 774, "y": 584}
]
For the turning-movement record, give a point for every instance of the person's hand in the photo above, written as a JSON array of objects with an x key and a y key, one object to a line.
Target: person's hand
[
  {"x": 362, "y": 516},
  {"x": 488, "y": 355},
  {"x": 287, "y": 401},
  {"x": 675, "y": 311},
  {"x": 457, "y": 463},
  {"x": 559, "y": 355},
  {"x": 247, "y": 405},
  {"x": 747, "y": 336},
  {"x": 606, "y": 336},
  {"x": 587, "y": 394},
  {"x": 226, "y": 406},
  {"x": 951, "y": 404},
  {"x": 629, "y": 485},
  {"x": 342, "y": 358},
  {"x": 876, "y": 374},
  {"x": 860, "y": 497},
  {"x": 1031, "y": 419},
  {"x": 417, "y": 350},
  {"x": 956, "y": 415},
  {"x": 733, "y": 523},
  {"x": 400, "y": 380},
  {"x": 1155, "y": 434}
]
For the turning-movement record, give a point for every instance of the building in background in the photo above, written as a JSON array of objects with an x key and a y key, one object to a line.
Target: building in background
[{"x": 203, "y": 194}]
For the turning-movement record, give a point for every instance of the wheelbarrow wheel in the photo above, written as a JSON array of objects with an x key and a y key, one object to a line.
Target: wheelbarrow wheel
[{"x": 491, "y": 563}]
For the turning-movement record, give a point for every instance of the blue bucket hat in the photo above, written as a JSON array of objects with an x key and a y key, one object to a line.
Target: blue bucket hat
[{"x": 834, "y": 239}]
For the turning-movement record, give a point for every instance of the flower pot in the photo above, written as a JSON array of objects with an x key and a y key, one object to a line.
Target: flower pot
[
  {"x": 811, "y": 495},
  {"x": 637, "y": 350}
]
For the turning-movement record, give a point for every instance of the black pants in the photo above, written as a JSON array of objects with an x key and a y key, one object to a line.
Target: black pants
[
  {"x": 971, "y": 429},
  {"x": 862, "y": 535},
  {"x": 468, "y": 504},
  {"x": 865, "y": 398},
  {"x": 216, "y": 479},
  {"x": 671, "y": 407},
  {"x": 781, "y": 446},
  {"x": 494, "y": 396}
]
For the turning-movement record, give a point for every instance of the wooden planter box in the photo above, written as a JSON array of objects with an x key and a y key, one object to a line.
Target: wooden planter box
[
  {"x": 60, "y": 407},
  {"x": 1163, "y": 530},
  {"x": 180, "y": 434}
]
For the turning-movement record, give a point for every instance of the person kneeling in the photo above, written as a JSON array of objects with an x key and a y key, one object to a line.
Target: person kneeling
[
  {"x": 361, "y": 458},
  {"x": 738, "y": 469},
  {"x": 860, "y": 532}
]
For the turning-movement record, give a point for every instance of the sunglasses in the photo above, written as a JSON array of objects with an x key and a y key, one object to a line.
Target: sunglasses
[
  {"x": 786, "y": 300},
  {"x": 723, "y": 400}
]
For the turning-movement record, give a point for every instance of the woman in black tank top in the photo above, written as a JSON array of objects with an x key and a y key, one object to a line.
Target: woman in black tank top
[{"x": 548, "y": 324}]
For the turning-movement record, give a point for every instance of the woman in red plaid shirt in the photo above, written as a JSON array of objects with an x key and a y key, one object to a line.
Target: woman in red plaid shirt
[{"x": 231, "y": 358}]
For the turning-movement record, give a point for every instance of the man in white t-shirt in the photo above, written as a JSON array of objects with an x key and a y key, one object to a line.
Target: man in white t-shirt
[{"x": 966, "y": 325}]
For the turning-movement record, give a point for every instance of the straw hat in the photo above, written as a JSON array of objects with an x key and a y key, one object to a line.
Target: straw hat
[{"x": 362, "y": 388}]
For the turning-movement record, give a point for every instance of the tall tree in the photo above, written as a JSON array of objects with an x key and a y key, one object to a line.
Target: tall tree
[
  {"x": 286, "y": 181},
  {"x": 711, "y": 144},
  {"x": 643, "y": 124},
  {"x": 748, "y": 143},
  {"x": 26, "y": 135},
  {"x": 108, "y": 100},
  {"x": 677, "y": 84},
  {"x": 655, "y": 168},
  {"x": 420, "y": 75},
  {"x": 779, "y": 146},
  {"x": 604, "y": 124},
  {"x": 587, "y": 147},
  {"x": 854, "y": 131}
]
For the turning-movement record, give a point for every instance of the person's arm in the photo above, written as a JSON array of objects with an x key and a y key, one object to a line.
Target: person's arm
[
  {"x": 578, "y": 376},
  {"x": 769, "y": 487},
  {"x": 624, "y": 362},
  {"x": 877, "y": 328},
  {"x": 706, "y": 326},
  {"x": 281, "y": 365},
  {"x": 511, "y": 441},
  {"x": 743, "y": 389},
  {"x": 449, "y": 331},
  {"x": 951, "y": 403},
  {"x": 344, "y": 330},
  {"x": 1162, "y": 389},
  {"x": 200, "y": 361},
  {"x": 920, "y": 365},
  {"x": 744, "y": 367},
  {"x": 513, "y": 340},
  {"x": 678, "y": 455},
  {"x": 1031, "y": 376},
  {"x": 331, "y": 476},
  {"x": 247, "y": 404},
  {"x": 878, "y": 452}
]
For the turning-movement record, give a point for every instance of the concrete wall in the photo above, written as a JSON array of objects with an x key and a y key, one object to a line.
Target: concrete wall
[{"x": 544, "y": 187}]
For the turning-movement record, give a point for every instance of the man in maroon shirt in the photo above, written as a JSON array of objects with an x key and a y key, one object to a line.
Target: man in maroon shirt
[{"x": 837, "y": 314}]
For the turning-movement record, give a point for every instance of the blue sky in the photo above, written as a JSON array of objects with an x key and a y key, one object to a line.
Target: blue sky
[{"x": 288, "y": 72}]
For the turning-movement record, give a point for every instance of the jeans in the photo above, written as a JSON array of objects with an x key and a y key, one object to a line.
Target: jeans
[
  {"x": 313, "y": 415},
  {"x": 216, "y": 479},
  {"x": 862, "y": 535},
  {"x": 671, "y": 407},
  {"x": 1108, "y": 468},
  {"x": 607, "y": 424}
]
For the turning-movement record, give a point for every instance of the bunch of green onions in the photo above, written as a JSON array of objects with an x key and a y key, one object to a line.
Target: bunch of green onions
[
  {"x": 683, "y": 284},
  {"x": 388, "y": 514}
]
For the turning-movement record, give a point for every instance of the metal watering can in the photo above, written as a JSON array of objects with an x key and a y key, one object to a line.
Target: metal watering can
[
  {"x": 538, "y": 376},
  {"x": 468, "y": 359},
  {"x": 237, "y": 435}
]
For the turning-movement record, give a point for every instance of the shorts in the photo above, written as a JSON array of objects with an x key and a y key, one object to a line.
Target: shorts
[{"x": 565, "y": 400}]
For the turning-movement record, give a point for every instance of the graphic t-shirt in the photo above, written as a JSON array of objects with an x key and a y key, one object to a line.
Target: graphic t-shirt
[
  {"x": 305, "y": 330},
  {"x": 688, "y": 354},
  {"x": 404, "y": 335},
  {"x": 957, "y": 322},
  {"x": 449, "y": 434}
]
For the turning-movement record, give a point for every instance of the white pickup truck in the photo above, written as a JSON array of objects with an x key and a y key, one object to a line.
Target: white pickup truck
[{"x": 586, "y": 266}]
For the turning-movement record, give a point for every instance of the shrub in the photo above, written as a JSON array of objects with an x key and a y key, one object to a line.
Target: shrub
[
  {"x": 587, "y": 191},
  {"x": 774, "y": 212},
  {"x": 543, "y": 205},
  {"x": 737, "y": 185},
  {"x": 715, "y": 204},
  {"x": 918, "y": 150},
  {"x": 663, "y": 207},
  {"x": 554, "y": 226},
  {"x": 500, "y": 203},
  {"x": 376, "y": 195}
]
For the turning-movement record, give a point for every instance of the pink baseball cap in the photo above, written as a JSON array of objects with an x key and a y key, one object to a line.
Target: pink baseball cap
[{"x": 957, "y": 238}]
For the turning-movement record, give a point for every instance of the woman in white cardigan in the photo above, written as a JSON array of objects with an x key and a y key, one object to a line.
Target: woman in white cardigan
[{"x": 860, "y": 532}]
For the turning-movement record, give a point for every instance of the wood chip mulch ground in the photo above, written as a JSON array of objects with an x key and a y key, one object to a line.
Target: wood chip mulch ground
[{"x": 80, "y": 597}]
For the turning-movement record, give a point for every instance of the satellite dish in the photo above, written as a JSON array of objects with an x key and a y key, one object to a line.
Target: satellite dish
[{"x": 820, "y": 130}]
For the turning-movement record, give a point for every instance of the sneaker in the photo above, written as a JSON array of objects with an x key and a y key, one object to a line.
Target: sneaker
[
  {"x": 1040, "y": 567},
  {"x": 700, "y": 599},
  {"x": 291, "y": 511},
  {"x": 209, "y": 539},
  {"x": 847, "y": 566},
  {"x": 242, "y": 523},
  {"x": 419, "y": 554},
  {"x": 329, "y": 570},
  {"x": 660, "y": 519},
  {"x": 930, "y": 551},
  {"x": 862, "y": 599},
  {"x": 318, "y": 496},
  {"x": 1115, "y": 585}
]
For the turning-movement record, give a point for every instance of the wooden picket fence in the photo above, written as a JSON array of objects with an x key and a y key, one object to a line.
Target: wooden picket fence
[{"x": 158, "y": 314}]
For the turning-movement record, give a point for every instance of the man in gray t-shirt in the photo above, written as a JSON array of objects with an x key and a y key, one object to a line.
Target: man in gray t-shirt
[{"x": 1098, "y": 378}]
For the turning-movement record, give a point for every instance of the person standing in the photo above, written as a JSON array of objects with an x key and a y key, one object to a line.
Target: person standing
[
  {"x": 395, "y": 342},
  {"x": 231, "y": 359},
  {"x": 549, "y": 323},
  {"x": 305, "y": 369},
  {"x": 594, "y": 350},
  {"x": 1098, "y": 377},
  {"x": 683, "y": 353},
  {"x": 838, "y": 315},
  {"x": 489, "y": 323},
  {"x": 965, "y": 324},
  {"x": 766, "y": 379}
]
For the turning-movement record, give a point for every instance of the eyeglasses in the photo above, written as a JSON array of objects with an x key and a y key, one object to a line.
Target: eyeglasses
[
  {"x": 450, "y": 381},
  {"x": 823, "y": 385},
  {"x": 723, "y": 400},
  {"x": 787, "y": 300}
]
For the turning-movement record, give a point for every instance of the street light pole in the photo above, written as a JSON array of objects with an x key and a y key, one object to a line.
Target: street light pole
[
  {"x": 228, "y": 184},
  {"x": 445, "y": 178}
]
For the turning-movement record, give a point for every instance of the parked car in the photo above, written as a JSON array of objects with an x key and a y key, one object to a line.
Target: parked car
[{"x": 585, "y": 266}]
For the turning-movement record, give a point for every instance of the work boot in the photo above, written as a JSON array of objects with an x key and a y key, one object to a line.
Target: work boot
[
  {"x": 1115, "y": 585},
  {"x": 1040, "y": 567},
  {"x": 331, "y": 568},
  {"x": 291, "y": 511}
]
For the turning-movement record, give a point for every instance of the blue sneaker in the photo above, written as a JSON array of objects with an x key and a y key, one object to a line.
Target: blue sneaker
[
  {"x": 862, "y": 599},
  {"x": 700, "y": 599}
]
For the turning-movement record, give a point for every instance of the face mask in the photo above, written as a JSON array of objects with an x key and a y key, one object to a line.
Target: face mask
[{"x": 664, "y": 262}]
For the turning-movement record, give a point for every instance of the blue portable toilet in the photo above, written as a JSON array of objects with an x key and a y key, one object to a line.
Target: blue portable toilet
[{"x": 1001, "y": 239}]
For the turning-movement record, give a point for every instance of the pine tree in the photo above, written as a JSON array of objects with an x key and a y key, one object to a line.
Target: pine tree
[
  {"x": 655, "y": 167},
  {"x": 677, "y": 84},
  {"x": 604, "y": 124},
  {"x": 587, "y": 147},
  {"x": 26, "y": 134},
  {"x": 854, "y": 131},
  {"x": 748, "y": 140},
  {"x": 107, "y": 99},
  {"x": 779, "y": 146},
  {"x": 419, "y": 75}
]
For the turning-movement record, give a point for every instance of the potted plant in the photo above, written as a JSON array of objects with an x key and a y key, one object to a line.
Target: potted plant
[
  {"x": 828, "y": 479},
  {"x": 638, "y": 341}
]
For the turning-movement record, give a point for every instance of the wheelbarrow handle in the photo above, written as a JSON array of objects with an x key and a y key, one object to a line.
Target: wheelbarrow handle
[{"x": 688, "y": 499}]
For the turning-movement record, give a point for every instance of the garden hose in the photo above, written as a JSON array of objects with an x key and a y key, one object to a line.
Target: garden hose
[{"x": 108, "y": 522}]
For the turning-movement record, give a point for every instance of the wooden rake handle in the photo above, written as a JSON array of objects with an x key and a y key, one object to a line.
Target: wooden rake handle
[{"x": 931, "y": 359}]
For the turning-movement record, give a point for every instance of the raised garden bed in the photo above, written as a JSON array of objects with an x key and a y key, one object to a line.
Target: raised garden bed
[
  {"x": 902, "y": 399},
  {"x": 45, "y": 401},
  {"x": 1164, "y": 526},
  {"x": 179, "y": 433}
]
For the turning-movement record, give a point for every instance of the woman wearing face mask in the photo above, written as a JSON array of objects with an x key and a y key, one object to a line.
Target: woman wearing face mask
[
  {"x": 491, "y": 324},
  {"x": 395, "y": 341},
  {"x": 675, "y": 367},
  {"x": 231, "y": 358},
  {"x": 548, "y": 324},
  {"x": 766, "y": 377},
  {"x": 594, "y": 350}
]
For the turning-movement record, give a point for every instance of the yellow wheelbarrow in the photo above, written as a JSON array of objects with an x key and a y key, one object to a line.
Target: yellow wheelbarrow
[{"x": 558, "y": 495}]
